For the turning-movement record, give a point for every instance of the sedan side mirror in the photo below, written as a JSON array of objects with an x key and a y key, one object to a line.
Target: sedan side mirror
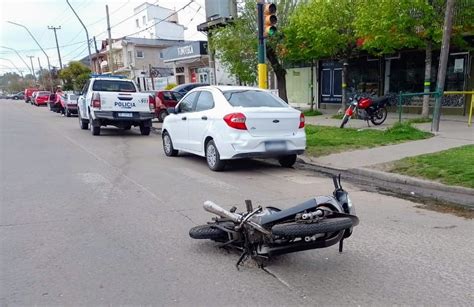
[{"x": 172, "y": 110}]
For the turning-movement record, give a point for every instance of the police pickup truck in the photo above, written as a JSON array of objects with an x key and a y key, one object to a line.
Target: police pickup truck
[{"x": 114, "y": 100}]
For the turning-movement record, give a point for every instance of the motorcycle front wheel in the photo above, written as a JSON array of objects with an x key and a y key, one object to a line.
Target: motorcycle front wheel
[
  {"x": 379, "y": 116},
  {"x": 345, "y": 119},
  {"x": 208, "y": 232}
]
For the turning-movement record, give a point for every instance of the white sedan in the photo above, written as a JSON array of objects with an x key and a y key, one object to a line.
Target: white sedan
[{"x": 231, "y": 122}]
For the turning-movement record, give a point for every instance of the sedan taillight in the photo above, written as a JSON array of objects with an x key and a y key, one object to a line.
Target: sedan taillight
[
  {"x": 236, "y": 121},
  {"x": 301, "y": 121}
]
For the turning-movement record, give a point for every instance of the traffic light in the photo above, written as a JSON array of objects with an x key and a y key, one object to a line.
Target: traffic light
[{"x": 269, "y": 19}]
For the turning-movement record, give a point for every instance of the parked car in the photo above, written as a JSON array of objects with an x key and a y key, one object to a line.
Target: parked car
[
  {"x": 16, "y": 96},
  {"x": 42, "y": 98},
  {"x": 163, "y": 101},
  {"x": 224, "y": 122},
  {"x": 115, "y": 101},
  {"x": 68, "y": 103},
  {"x": 28, "y": 93},
  {"x": 184, "y": 88}
]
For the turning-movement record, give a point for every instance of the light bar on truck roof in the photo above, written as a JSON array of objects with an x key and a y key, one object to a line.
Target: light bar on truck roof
[{"x": 108, "y": 76}]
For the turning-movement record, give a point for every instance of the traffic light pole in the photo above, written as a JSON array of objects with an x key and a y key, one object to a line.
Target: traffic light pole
[{"x": 262, "y": 66}]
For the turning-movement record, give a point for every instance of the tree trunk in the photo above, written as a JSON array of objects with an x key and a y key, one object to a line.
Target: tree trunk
[
  {"x": 425, "y": 111},
  {"x": 345, "y": 65},
  {"x": 280, "y": 72}
]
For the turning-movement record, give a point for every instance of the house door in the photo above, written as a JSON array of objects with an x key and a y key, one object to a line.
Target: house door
[{"x": 331, "y": 82}]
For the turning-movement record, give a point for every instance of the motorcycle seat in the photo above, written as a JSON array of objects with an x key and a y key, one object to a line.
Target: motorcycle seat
[
  {"x": 284, "y": 214},
  {"x": 380, "y": 100}
]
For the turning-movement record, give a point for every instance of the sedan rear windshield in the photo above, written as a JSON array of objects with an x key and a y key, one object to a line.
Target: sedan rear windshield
[
  {"x": 43, "y": 93},
  {"x": 72, "y": 97},
  {"x": 113, "y": 86},
  {"x": 253, "y": 99}
]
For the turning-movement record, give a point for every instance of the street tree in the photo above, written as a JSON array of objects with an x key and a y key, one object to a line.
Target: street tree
[
  {"x": 386, "y": 26},
  {"x": 75, "y": 75},
  {"x": 322, "y": 29},
  {"x": 236, "y": 44}
]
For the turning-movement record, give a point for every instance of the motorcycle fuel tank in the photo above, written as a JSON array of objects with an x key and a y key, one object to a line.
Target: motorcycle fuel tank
[{"x": 364, "y": 103}]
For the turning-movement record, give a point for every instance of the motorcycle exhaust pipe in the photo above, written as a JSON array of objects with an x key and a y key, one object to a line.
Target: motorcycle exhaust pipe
[{"x": 211, "y": 207}]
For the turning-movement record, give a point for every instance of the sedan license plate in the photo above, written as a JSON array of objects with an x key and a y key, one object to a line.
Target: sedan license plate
[
  {"x": 275, "y": 146},
  {"x": 125, "y": 115}
]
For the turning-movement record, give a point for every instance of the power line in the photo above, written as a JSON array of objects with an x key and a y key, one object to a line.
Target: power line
[{"x": 103, "y": 18}]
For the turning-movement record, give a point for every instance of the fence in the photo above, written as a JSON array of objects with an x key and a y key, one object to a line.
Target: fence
[
  {"x": 471, "y": 106},
  {"x": 436, "y": 94}
]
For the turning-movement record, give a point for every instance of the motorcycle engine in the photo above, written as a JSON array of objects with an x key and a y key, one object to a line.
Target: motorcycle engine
[{"x": 362, "y": 114}]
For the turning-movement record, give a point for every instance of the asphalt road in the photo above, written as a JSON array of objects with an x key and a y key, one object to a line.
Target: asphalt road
[{"x": 89, "y": 220}]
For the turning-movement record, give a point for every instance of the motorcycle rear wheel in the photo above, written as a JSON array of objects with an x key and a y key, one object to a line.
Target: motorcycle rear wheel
[
  {"x": 207, "y": 232},
  {"x": 379, "y": 116},
  {"x": 302, "y": 229}
]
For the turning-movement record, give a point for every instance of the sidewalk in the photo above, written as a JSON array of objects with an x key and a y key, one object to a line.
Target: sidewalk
[{"x": 454, "y": 132}]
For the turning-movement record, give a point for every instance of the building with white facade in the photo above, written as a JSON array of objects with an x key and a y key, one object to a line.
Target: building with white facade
[{"x": 157, "y": 22}]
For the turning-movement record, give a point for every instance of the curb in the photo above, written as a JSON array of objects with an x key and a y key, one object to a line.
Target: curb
[
  {"x": 402, "y": 179},
  {"x": 401, "y": 186}
]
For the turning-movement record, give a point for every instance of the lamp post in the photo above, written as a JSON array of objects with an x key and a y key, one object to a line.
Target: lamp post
[
  {"x": 47, "y": 57},
  {"x": 32, "y": 72},
  {"x": 21, "y": 73},
  {"x": 87, "y": 33}
]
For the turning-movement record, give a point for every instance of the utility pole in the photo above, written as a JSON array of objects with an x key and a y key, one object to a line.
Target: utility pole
[
  {"x": 57, "y": 45},
  {"x": 87, "y": 33},
  {"x": 32, "y": 67},
  {"x": 40, "y": 69},
  {"x": 443, "y": 63},
  {"x": 151, "y": 77},
  {"x": 110, "y": 61}
]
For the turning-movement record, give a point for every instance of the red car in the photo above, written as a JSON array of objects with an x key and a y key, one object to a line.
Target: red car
[
  {"x": 164, "y": 100},
  {"x": 28, "y": 93},
  {"x": 42, "y": 98}
]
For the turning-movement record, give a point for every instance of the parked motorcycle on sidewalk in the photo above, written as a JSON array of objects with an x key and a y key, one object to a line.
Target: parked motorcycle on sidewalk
[
  {"x": 367, "y": 108},
  {"x": 262, "y": 233}
]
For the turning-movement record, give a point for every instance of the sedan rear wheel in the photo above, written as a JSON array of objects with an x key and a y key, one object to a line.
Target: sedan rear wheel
[{"x": 213, "y": 157}]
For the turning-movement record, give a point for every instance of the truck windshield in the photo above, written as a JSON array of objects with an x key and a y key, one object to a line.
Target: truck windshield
[{"x": 113, "y": 86}]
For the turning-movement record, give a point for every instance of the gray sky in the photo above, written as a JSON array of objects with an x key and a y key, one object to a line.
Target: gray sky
[{"x": 37, "y": 15}]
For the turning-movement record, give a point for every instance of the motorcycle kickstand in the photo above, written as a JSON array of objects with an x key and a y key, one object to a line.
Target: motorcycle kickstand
[
  {"x": 341, "y": 245},
  {"x": 241, "y": 259}
]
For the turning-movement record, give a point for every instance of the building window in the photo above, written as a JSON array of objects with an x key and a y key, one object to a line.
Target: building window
[
  {"x": 140, "y": 54},
  {"x": 161, "y": 54},
  {"x": 144, "y": 20},
  {"x": 137, "y": 23}
]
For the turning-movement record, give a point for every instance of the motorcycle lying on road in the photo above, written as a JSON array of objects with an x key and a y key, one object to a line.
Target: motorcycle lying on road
[
  {"x": 367, "y": 109},
  {"x": 265, "y": 232}
]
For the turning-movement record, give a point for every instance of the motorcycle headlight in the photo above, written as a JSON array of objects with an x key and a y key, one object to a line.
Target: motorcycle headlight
[{"x": 350, "y": 205}]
